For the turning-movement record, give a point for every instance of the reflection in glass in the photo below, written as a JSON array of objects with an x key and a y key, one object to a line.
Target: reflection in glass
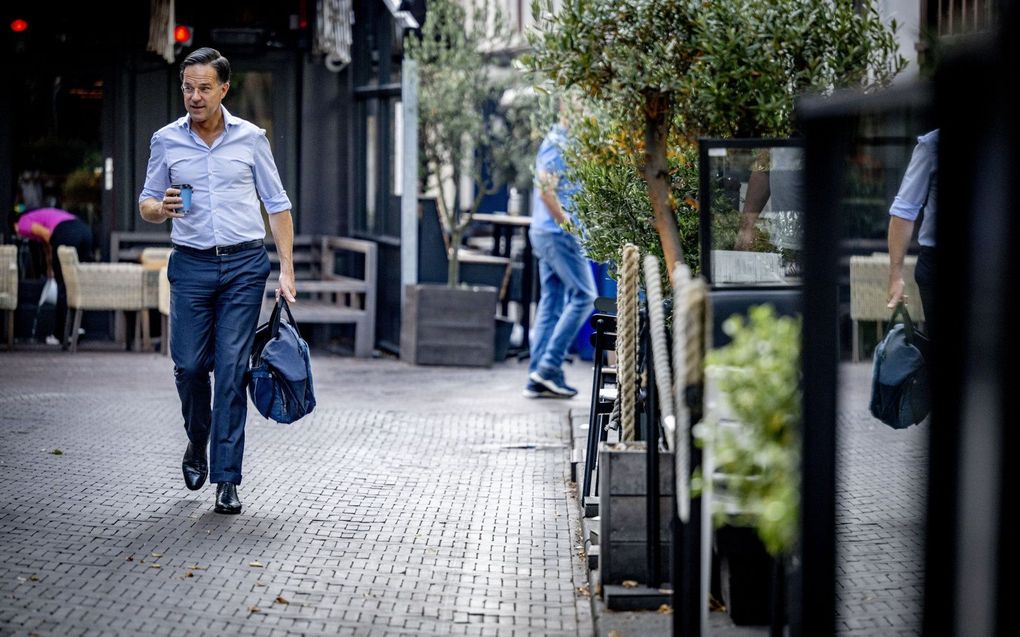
[{"x": 756, "y": 205}]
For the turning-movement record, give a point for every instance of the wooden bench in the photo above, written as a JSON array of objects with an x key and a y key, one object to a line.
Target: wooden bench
[
  {"x": 336, "y": 279},
  {"x": 325, "y": 296},
  {"x": 128, "y": 246}
]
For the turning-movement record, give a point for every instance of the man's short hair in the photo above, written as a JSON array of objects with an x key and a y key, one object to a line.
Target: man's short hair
[{"x": 213, "y": 58}]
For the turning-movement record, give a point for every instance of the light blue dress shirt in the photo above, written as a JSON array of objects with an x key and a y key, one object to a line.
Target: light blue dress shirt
[
  {"x": 550, "y": 160},
  {"x": 228, "y": 179},
  {"x": 919, "y": 188}
]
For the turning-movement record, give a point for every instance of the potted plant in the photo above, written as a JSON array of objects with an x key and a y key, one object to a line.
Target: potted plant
[
  {"x": 752, "y": 429},
  {"x": 463, "y": 136}
]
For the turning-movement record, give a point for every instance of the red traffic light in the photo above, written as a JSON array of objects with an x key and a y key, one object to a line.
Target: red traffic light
[
  {"x": 19, "y": 25},
  {"x": 183, "y": 34}
]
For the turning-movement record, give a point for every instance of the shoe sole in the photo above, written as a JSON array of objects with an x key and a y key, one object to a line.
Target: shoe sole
[
  {"x": 227, "y": 511},
  {"x": 527, "y": 393},
  {"x": 561, "y": 392}
]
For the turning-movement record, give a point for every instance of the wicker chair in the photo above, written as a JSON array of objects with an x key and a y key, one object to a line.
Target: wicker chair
[
  {"x": 153, "y": 261},
  {"x": 9, "y": 288},
  {"x": 869, "y": 287},
  {"x": 100, "y": 286}
]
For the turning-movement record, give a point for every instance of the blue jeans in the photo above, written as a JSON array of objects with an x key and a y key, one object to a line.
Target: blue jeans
[
  {"x": 214, "y": 310},
  {"x": 568, "y": 290}
]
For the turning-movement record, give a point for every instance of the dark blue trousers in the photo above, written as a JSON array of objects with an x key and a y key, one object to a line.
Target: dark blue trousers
[{"x": 214, "y": 310}]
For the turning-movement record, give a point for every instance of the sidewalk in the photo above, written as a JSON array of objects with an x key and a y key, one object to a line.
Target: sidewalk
[{"x": 413, "y": 501}]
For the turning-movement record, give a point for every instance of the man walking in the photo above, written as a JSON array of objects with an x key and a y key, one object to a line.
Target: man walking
[
  {"x": 219, "y": 265},
  {"x": 568, "y": 288}
]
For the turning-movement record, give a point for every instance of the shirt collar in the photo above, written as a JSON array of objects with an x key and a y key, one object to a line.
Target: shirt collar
[{"x": 228, "y": 119}]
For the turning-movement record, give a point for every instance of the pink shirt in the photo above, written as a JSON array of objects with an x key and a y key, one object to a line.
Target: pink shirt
[{"x": 48, "y": 218}]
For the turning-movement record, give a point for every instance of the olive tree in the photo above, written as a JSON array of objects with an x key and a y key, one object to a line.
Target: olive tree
[
  {"x": 463, "y": 130},
  {"x": 670, "y": 71}
]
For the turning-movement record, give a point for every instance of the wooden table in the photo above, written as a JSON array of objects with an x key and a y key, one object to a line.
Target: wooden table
[{"x": 504, "y": 226}]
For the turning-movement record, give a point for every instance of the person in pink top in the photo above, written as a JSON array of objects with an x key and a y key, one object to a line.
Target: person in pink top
[{"x": 54, "y": 227}]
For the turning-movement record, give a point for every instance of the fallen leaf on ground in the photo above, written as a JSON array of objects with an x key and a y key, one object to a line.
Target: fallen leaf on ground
[
  {"x": 629, "y": 583},
  {"x": 252, "y": 610},
  {"x": 155, "y": 566},
  {"x": 584, "y": 591},
  {"x": 157, "y": 555},
  {"x": 131, "y": 558},
  {"x": 57, "y": 452},
  {"x": 259, "y": 584},
  {"x": 280, "y": 599},
  {"x": 614, "y": 633},
  {"x": 196, "y": 567},
  {"x": 665, "y": 609},
  {"x": 189, "y": 574},
  {"x": 34, "y": 578},
  {"x": 256, "y": 564}
]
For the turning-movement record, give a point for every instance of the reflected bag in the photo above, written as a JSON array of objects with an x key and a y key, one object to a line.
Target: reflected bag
[
  {"x": 900, "y": 396},
  {"x": 280, "y": 371}
]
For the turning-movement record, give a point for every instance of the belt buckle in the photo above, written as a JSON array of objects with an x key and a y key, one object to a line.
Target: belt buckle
[{"x": 222, "y": 250}]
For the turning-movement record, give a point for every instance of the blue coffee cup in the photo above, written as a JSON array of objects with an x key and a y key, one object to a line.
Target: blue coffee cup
[{"x": 185, "y": 197}]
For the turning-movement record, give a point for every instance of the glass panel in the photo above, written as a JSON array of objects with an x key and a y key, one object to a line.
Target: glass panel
[
  {"x": 879, "y": 514},
  {"x": 756, "y": 205}
]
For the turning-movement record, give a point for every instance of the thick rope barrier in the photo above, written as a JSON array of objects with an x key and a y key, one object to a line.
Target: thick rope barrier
[
  {"x": 626, "y": 339},
  {"x": 660, "y": 349},
  {"x": 688, "y": 360}
]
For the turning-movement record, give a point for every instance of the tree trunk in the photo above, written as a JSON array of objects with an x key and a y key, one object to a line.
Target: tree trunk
[
  {"x": 657, "y": 177},
  {"x": 453, "y": 268}
]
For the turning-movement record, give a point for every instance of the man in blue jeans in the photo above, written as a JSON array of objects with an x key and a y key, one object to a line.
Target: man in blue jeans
[
  {"x": 219, "y": 265},
  {"x": 568, "y": 288}
]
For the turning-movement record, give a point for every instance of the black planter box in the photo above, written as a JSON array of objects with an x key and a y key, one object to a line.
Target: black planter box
[{"x": 746, "y": 575}]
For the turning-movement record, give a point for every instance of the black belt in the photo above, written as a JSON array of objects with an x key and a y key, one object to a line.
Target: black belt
[{"x": 220, "y": 251}]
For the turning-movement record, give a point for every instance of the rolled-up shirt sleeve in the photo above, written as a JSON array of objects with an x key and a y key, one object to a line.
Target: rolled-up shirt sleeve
[
  {"x": 913, "y": 190},
  {"x": 157, "y": 176},
  {"x": 267, "y": 178}
]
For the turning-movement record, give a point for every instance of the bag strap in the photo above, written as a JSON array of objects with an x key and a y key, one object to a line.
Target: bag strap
[
  {"x": 290, "y": 317},
  {"x": 274, "y": 319},
  {"x": 908, "y": 324}
]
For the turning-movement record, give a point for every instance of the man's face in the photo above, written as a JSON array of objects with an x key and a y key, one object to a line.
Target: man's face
[{"x": 203, "y": 91}]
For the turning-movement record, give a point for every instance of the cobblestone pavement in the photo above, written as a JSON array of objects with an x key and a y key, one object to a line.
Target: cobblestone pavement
[
  {"x": 880, "y": 507},
  {"x": 413, "y": 501}
]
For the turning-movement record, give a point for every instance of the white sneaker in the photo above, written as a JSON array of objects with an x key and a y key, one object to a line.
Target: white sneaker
[{"x": 52, "y": 340}]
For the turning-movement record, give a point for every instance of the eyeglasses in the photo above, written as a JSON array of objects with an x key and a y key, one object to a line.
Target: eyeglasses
[{"x": 204, "y": 90}]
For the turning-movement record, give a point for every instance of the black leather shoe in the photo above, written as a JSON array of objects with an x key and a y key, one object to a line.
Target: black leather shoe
[
  {"x": 195, "y": 466},
  {"x": 226, "y": 498}
]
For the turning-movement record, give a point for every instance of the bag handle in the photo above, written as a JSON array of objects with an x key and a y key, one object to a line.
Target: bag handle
[
  {"x": 274, "y": 319},
  {"x": 908, "y": 324}
]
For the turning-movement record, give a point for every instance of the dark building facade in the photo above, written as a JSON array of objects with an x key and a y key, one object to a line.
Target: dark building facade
[{"x": 84, "y": 94}]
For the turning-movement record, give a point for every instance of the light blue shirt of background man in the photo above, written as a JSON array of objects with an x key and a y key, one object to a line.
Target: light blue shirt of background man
[
  {"x": 568, "y": 287},
  {"x": 918, "y": 191}
]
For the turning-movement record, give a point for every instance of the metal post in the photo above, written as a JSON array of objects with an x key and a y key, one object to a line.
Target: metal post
[
  {"x": 409, "y": 185},
  {"x": 652, "y": 464}
]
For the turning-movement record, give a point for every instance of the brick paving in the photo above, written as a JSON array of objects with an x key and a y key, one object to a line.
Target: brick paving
[
  {"x": 413, "y": 501},
  {"x": 880, "y": 508}
]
